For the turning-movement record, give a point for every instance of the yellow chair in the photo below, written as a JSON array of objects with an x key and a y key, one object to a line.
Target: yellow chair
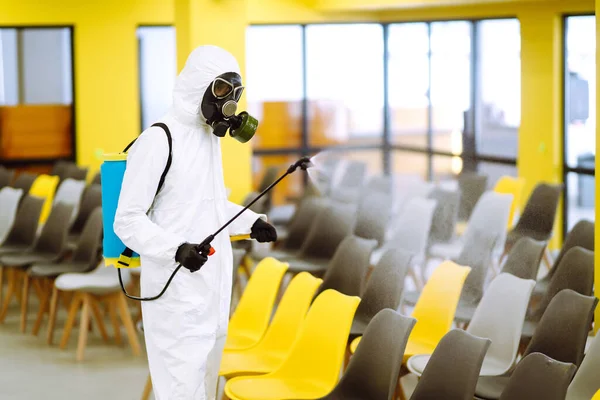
[
  {"x": 270, "y": 352},
  {"x": 434, "y": 310},
  {"x": 251, "y": 317},
  {"x": 514, "y": 186},
  {"x": 44, "y": 186},
  {"x": 312, "y": 367},
  {"x": 596, "y": 396}
]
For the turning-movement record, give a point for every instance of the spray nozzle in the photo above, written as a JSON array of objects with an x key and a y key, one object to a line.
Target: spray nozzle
[{"x": 304, "y": 163}]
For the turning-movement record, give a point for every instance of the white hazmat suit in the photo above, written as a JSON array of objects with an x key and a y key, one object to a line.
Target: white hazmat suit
[{"x": 185, "y": 329}]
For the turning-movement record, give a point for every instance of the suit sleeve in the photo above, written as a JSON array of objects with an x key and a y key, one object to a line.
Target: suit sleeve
[
  {"x": 146, "y": 162},
  {"x": 242, "y": 225}
]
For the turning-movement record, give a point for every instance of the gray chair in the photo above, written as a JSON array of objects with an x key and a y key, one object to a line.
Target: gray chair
[
  {"x": 581, "y": 235},
  {"x": 60, "y": 168},
  {"x": 90, "y": 200},
  {"x": 471, "y": 186},
  {"x": 347, "y": 269},
  {"x": 383, "y": 290},
  {"x": 445, "y": 215},
  {"x": 6, "y": 177},
  {"x": 524, "y": 258},
  {"x": 9, "y": 204},
  {"x": 373, "y": 216},
  {"x": 586, "y": 382},
  {"x": 76, "y": 173},
  {"x": 575, "y": 272},
  {"x": 85, "y": 256},
  {"x": 97, "y": 179},
  {"x": 381, "y": 184},
  {"x": 373, "y": 371},
  {"x": 24, "y": 230},
  {"x": 537, "y": 219},
  {"x": 538, "y": 376},
  {"x": 452, "y": 371},
  {"x": 70, "y": 192},
  {"x": 332, "y": 225},
  {"x": 24, "y": 181},
  {"x": 561, "y": 335}
]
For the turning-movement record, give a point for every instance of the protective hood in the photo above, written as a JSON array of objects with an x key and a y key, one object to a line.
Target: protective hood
[{"x": 203, "y": 65}]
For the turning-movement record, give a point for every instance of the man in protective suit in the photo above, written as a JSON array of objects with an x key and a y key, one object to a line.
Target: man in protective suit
[{"x": 185, "y": 329}]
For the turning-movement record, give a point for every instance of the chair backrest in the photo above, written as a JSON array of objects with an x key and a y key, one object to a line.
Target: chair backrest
[
  {"x": 476, "y": 253},
  {"x": 445, "y": 215},
  {"x": 500, "y": 316},
  {"x": 6, "y": 177},
  {"x": 412, "y": 228},
  {"x": 9, "y": 203},
  {"x": 347, "y": 269},
  {"x": 97, "y": 179},
  {"x": 321, "y": 342},
  {"x": 70, "y": 192},
  {"x": 575, "y": 272},
  {"x": 540, "y": 211},
  {"x": 582, "y": 235},
  {"x": 374, "y": 212},
  {"x": 53, "y": 237},
  {"x": 453, "y": 369},
  {"x": 524, "y": 258},
  {"x": 75, "y": 172},
  {"x": 436, "y": 306},
  {"x": 44, "y": 186},
  {"x": 90, "y": 200},
  {"x": 24, "y": 181},
  {"x": 60, "y": 168},
  {"x": 354, "y": 174},
  {"x": 238, "y": 256},
  {"x": 24, "y": 229},
  {"x": 562, "y": 332},
  {"x": 269, "y": 177},
  {"x": 489, "y": 217},
  {"x": 374, "y": 369},
  {"x": 305, "y": 217},
  {"x": 332, "y": 225},
  {"x": 586, "y": 382},
  {"x": 290, "y": 314},
  {"x": 381, "y": 183},
  {"x": 538, "y": 376},
  {"x": 514, "y": 186},
  {"x": 385, "y": 286},
  {"x": 86, "y": 252},
  {"x": 472, "y": 186},
  {"x": 253, "y": 311}
]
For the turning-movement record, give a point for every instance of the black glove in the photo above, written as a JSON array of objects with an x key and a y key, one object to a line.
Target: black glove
[
  {"x": 188, "y": 256},
  {"x": 263, "y": 231}
]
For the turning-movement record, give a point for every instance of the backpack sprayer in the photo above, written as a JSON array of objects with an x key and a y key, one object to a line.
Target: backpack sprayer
[{"x": 113, "y": 252}]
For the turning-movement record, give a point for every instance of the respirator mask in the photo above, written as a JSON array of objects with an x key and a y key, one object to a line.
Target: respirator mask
[{"x": 219, "y": 106}]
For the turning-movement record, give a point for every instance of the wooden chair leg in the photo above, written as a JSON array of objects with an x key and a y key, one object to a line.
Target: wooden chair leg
[
  {"x": 11, "y": 292},
  {"x": 128, "y": 323},
  {"x": 147, "y": 389},
  {"x": 24, "y": 302},
  {"x": 400, "y": 391},
  {"x": 112, "y": 312},
  {"x": 98, "y": 318},
  {"x": 546, "y": 258},
  {"x": 44, "y": 290},
  {"x": 52, "y": 316},
  {"x": 75, "y": 303},
  {"x": 83, "y": 326},
  {"x": 1, "y": 283}
]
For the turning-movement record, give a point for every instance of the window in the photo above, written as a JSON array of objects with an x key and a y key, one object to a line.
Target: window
[
  {"x": 158, "y": 69},
  {"x": 580, "y": 118}
]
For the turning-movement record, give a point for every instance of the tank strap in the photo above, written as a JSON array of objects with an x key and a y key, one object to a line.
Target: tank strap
[{"x": 125, "y": 258}]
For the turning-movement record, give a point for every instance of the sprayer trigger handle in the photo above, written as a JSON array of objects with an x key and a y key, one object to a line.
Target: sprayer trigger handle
[{"x": 211, "y": 251}]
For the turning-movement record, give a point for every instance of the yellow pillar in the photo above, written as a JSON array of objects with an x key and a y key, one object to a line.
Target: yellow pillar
[
  {"x": 222, "y": 23},
  {"x": 540, "y": 136}
]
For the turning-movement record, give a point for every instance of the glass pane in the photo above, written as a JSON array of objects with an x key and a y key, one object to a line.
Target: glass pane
[
  {"x": 446, "y": 167},
  {"x": 291, "y": 187},
  {"x": 499, "y": 107},
  {"x": 408, "y": 66},
  {"x": 158, "y": 69},
  {"x": 274, "y": 84},
  {"x": 345, "y": 84},
  {"x": 581, "y": 190},
  {"x": 372, "y": 158},
  {"x": 450, "y": 82},
  {"x": 9, "y": 67},
  {"x": 580, "y": 91},
  {"x": 411, "y": 163},
  {"x": 494, "y": 171}
]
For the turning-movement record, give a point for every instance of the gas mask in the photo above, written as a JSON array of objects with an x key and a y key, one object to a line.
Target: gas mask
[{"x": 219, "y": 106}]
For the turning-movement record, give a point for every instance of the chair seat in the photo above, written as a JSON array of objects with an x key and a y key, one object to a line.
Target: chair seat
[
  {"x": 312, "y": 265},
  {"x": 416, "y": 347},
  {"x": 103, "y": 280},
  {"x": 490, "y": 367},
  {"x": 13, "y": 248},
  {"x": 513, "y": 236},
  {"x": 491, "y": 387},
  {"x": 267, "y": 388},
  {"x": 47, "y": 270},
  {"x": 25, "y": 259},
  {"x": 236, "y": 363}
]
